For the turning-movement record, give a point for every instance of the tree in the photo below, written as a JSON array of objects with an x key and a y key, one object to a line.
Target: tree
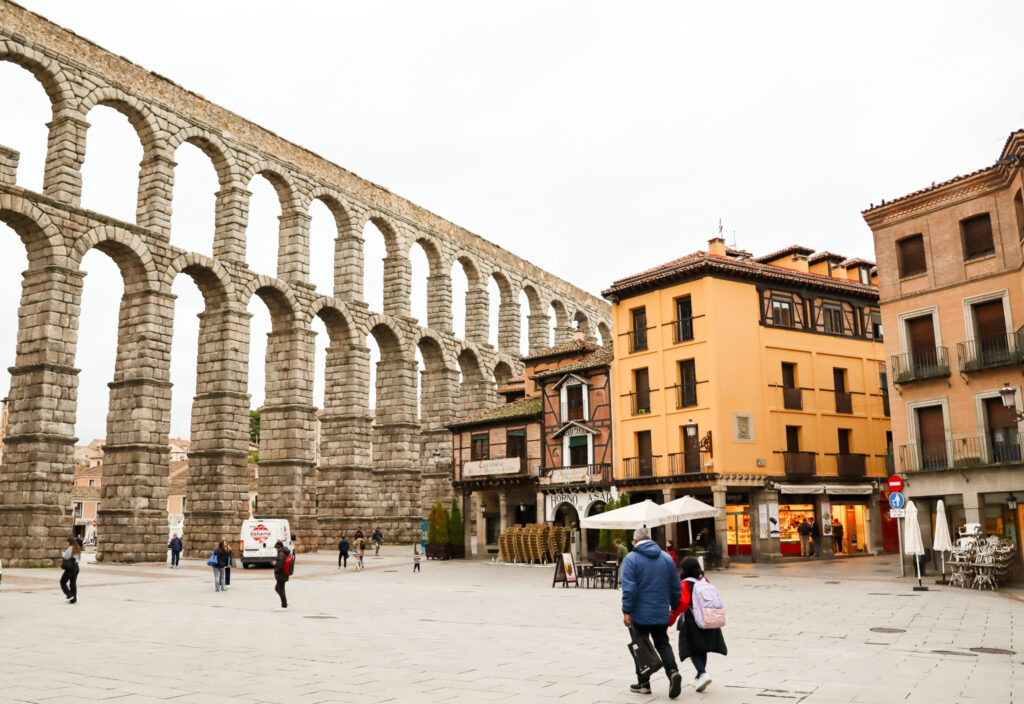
[
  {"x": 437, "y": 529},
  {"x": 455, "y": 530},
  {"x": 605, "y": 541},
  {"x": 625, "y": 536},
  {"x": 254, "y": 427}
]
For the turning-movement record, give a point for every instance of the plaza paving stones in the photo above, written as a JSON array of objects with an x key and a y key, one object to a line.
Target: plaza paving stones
[{"x": 479, "y": 632}]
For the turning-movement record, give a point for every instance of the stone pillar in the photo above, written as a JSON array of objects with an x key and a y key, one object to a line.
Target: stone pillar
[
  {"x": 825, "y": 550},
  {"x": 563, "y": 333},
  {"x": 766, "y": 549},
  {"x": 132, "y": 520},
  {"x": 477, "y": 321},
  {"x": 397, "y": 285},
  {"x": 345, "y": 487},
  {"x": 65, "y": 153},
  {"x": 230, "y": 221},
  {"x": 438, "y": 390},
  {"x": 38, "y": 460},
  {"x": 468, "y": 507},
  {"x": 395, "y": 434},
  {"x": 974, "y": 507},
  {"x": 721, "y": 524},
  {"x": 540, "y": 335},
  {"x": 218, "y": 483},
  {"x": 156, "y": 186},
  {"x": 293, "y": 247},
  {"x": 508, "y": 328},
  {"x": 876, "y": 545},
  {"x": 481, "y": 523},
  {"x": 348, "y": 265},
  {"x": 503, "y": 508},
  {"x": 439, "y": 302},
  {"x": 288, "y": 434},
  {"x": 8, "y": 166}
]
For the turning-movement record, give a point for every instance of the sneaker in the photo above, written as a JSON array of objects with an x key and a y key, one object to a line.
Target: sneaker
[
  {"x": 74, "y": 600},
  {"x": 702, "y": 682},
  {"x": 641, "y": 688},
  {"x": 675, "y": 684}
]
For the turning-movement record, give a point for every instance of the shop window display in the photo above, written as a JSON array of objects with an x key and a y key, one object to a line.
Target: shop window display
[
  {"x": 853, "y": 519},
  {"x": 790, "y": 517},
  {"x": 737, "y": 521}
]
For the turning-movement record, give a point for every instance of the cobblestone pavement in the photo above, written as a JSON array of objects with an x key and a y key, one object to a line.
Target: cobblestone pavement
[{"x": 478, "y": 632}]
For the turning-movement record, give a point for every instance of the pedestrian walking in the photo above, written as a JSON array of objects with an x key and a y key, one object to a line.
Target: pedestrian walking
[
  {"x": 281, "y": 572},
  {"x": 377, "y": 538},
  {"x": 620, "y": 552},
  {"x": 69, "y": 561},
  {"x": 837, "y": 537},
  {"x": 816, "y": 537},
  {"x": 650, "y": 591},
  {"x": 804, "y": 531},
  {"x": 231, "y": 562},
  {"x": 175, "y": 547},
  {"x": 416, "y": 558},
  {"x": 219, "y": 561},
  {"x": 357, "y": 554},
  {"x": 696, "y": 642},
  {"x": 343, "y": 552},
  {"x": 359, "y": 534}
]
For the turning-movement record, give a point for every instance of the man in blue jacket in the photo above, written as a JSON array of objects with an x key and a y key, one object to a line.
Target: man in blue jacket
[{"x": 651, "y": 589}]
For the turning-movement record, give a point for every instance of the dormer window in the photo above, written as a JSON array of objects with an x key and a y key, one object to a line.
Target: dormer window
[{"x": 574, "y": 401}]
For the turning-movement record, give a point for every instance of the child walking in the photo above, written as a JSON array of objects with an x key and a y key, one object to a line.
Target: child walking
[{"x": 416, "y": 558}]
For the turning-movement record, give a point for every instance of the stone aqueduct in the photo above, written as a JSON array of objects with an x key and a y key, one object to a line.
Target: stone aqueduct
[{"x": 389, "y": 485}]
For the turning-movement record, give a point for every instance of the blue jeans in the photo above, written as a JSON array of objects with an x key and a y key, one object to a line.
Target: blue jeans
[
  {"x": 700, "y": 662},
  {"x": 218, "y": 579}
]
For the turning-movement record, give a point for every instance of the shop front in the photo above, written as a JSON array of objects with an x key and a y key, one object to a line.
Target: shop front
[{"x": 846, "y": 516}]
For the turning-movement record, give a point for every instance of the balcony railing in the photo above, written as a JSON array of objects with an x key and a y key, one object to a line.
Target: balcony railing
[
  {"x": 960, "y": 453},
  {"x": 928, "y": 363},
  {"x": 638, "y": 467},
  {"x": 686, "y": 395},
  {"x": 793, "y": 398},
  {"x": 800, "y": 464},
  {"x": 682, "y": 330},
  {"x": 640, "y": 402},
  {"x": 637, "y": 340},
  {"x": 851, "y": 466},
  {"x": 844, "y": 402},
  {"x": 990, "y": 353},
  {"x": 688, "y": 462}
]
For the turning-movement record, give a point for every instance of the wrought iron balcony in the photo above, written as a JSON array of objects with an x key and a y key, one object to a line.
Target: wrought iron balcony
[
  {"x": 800, "y": 464},
  {"x": 686, "y": 395},
  {"x": 682, "y": 330},
  {"x": 637, "y": 340},
  {"x": 844, "y": 402},
  {"x": 640, "y": 402},
  {"x": 976, "y": 355},
  {"x": 961, "y": 453},
  {"x": 793, "y": 398},
  {"x": 638, "y": 467},
  {"x": 930, "y": 363},
  {"x": 852, "y": 466},
  {"x": 688, "y": 462}
]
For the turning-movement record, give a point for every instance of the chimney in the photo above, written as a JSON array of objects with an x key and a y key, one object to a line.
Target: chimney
[
  {"x": 577, "y": 335},
  {"x": 800, "y": 263},
  {"x": 716, "y": 247}
]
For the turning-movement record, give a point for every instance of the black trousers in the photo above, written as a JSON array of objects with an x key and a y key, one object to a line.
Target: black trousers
[
  {"x": 227, "y": 576},
  {"x": 280, "y": 592},
  {"x": 342, "y": 559},
  {"x": 175, "y": 556},
  {"x": 69, "y": 583},
  {"x": 659, "y": 634}
]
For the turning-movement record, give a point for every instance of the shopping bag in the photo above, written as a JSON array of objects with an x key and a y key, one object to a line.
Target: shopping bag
[
  {"x": 212, "y": 562},
  {"x": 644, "y": 655}
]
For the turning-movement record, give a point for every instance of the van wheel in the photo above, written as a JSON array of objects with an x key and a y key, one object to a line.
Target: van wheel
[{"x": 245, "y": 565}]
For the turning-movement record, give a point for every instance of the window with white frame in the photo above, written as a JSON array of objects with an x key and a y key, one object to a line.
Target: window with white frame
[
  {"x": 577, "y": 450},
  {"x": 575, "y": 404}
]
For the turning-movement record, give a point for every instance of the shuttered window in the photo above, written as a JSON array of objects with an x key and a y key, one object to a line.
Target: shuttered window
[
  {"x": 977, "y": 236},
  {"x": 910, "y": 252}
]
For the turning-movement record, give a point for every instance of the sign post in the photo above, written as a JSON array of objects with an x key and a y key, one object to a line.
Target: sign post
[{"x": 896, "y": 510}]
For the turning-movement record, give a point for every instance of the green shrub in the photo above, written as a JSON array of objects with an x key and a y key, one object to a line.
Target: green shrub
[
  {"x": 605, "y": 541},
  {"x": 455, "y": 530},
  {"x": 626, "y": 536},
  {"x": 437, "y": 529}
]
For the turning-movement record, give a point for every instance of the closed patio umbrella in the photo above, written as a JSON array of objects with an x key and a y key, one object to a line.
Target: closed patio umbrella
[
  {"x": 942, "y": 541},
  {"x": 646, "y": 513},
  {"x": 914, "y": 544}
]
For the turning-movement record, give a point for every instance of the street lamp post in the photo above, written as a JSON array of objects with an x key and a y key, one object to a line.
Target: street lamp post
[{"x": 1009, "y": 396}]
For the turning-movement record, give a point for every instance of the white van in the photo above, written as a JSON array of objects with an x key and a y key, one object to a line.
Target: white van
[{"x": 258, "y": 538}]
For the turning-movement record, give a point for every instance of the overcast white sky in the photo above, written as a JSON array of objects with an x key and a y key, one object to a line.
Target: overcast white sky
[{"x": 594, "y": 139}]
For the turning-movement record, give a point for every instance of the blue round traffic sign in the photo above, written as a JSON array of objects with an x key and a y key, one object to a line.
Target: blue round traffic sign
[{"x": 897, "y": 500}]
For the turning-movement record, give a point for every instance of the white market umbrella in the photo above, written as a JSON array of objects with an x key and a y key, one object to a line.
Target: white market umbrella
[
  {"x": 914, "y": 544},
  {"x": 942, "y": 542},
  {"x": 646, "y": 513},
  {"x": 689, "y": 509}
]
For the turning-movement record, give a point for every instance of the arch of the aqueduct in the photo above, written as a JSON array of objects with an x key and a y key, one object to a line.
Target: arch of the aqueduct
[{"x": 375, "y": 469}]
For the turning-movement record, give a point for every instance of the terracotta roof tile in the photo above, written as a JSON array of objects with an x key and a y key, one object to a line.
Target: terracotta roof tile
[
  {"x": 791, "y": 249},
  {"x": 601, "y": 358},
  {"x": 823, "y": 256},
  {"x": 566, "y": 347},
  {"x": 857, "y": 262},
  {"x": 517, "y": 409}
]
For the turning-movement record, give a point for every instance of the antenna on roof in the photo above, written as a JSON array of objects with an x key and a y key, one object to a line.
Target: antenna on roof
[{"x": 720, "y": 228}]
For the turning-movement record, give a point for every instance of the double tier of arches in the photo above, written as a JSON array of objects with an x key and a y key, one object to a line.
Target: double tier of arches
[{"x": 380, "y": 461}]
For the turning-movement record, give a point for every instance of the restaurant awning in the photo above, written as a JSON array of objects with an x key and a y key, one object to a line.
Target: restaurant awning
[
  {"x": 849, "y": 489},
  {"x": 801, "y": 488}
]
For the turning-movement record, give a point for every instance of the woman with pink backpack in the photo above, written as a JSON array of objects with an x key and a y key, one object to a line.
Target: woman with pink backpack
[{"x": 702, "y": 617}]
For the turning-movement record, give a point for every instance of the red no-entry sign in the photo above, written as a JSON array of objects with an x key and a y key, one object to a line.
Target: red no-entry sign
[{"x": 895, "y": 483}]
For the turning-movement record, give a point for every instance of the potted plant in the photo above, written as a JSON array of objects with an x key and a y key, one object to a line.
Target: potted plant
[
  {"x": 437, "y": 533},
  {"x": 456, "y": 536}
]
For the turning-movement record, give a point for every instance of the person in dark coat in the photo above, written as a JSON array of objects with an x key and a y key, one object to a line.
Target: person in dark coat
[
  {"x": 175, "y": 547},
  {"x": 280, "y": 576},
  {"x": 695, "y": 642},
  {"x": 70, "y": 558},
  {"x": 343, "y": 552},
  {"x": 377, "y": 538},
  {"x": 223, "y": 556},
  {"x": 650, "y": 591},
  {"x": 816, "y": 537},
  {"x": 837, "y": 537}
]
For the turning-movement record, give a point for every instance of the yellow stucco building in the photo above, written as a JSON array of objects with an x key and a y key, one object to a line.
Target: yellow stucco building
[{"x": 756, "y": 384}]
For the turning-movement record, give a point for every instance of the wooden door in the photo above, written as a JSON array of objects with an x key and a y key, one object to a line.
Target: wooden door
[
  {"x": 644, "y": 452},
  {"x": 931, "y": 429},
  {"x": 642, "y": 388},
  {"x": 921, "y": 332},
  {"x": 691, "y": 451},
  {"x": 1004, "y": 444},
  {"x": 990, "y": 328},
  {"x": 788, "y": 375},
  {"x": 792, "y": 438}
]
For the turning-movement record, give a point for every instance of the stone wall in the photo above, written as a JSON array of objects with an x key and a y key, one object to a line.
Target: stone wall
[{"x": 372, "y": 468}]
